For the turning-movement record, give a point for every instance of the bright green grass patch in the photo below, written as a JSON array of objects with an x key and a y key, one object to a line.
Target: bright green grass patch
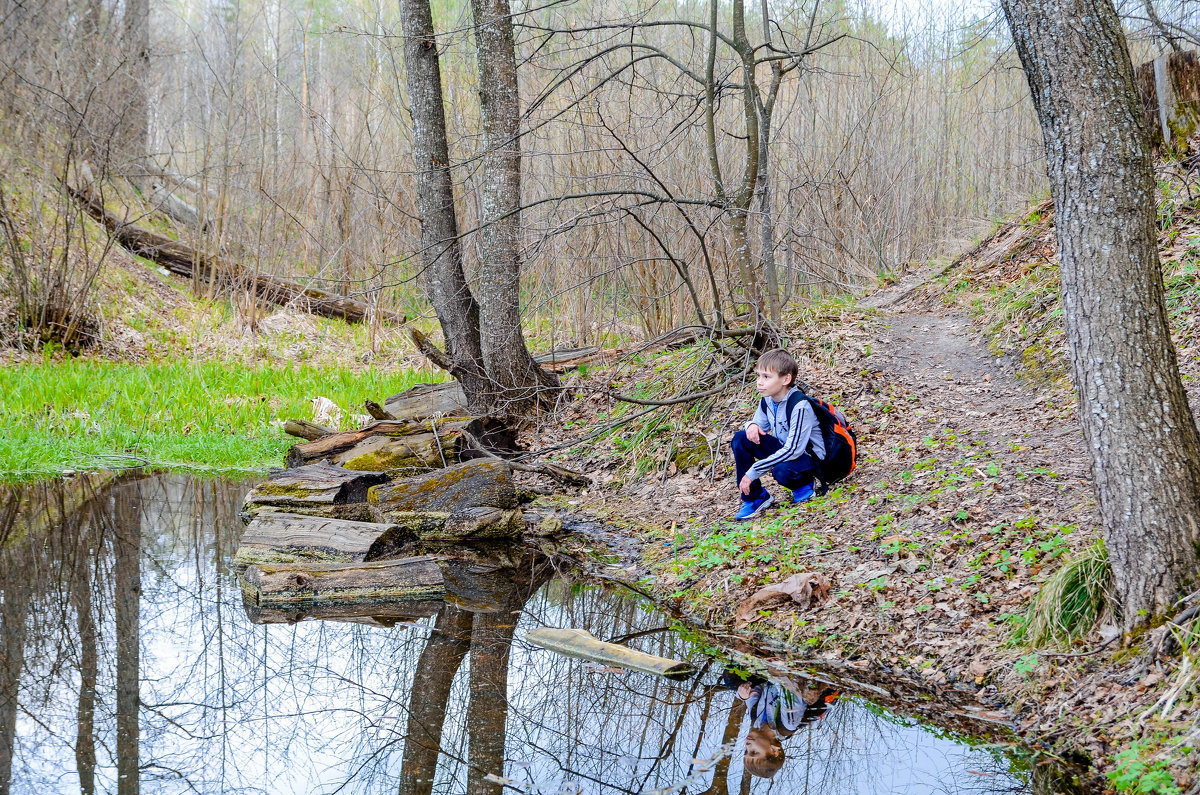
[{"x": 78, "y": 414}]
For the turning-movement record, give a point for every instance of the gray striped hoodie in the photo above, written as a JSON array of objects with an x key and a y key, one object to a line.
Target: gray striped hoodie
[{"x": 796, "y": 432}]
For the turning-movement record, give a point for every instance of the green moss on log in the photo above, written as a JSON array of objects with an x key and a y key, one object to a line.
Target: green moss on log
[
  {"x": 384, "y": 460},
  {"x": 269, "y": 489}
]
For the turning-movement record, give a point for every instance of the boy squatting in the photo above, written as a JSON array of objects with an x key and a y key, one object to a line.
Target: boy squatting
[{"x": 774, "y": 442}]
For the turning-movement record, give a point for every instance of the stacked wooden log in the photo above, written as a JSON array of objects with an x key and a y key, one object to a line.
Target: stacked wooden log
[{"x": 344, "y": 523}]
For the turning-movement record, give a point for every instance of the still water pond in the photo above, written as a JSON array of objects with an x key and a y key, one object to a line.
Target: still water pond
[{"x": 130, "y": 664}]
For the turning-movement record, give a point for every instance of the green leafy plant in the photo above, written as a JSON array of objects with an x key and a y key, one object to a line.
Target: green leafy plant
[{"x": 1133, "y": 773}]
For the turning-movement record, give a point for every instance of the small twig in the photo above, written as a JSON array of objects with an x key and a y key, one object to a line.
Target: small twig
[
  {"x": 668, "y": 402},
  {"x": 433, "y": 426},
  {"x": 1097, "y": 650},
  {"x": 630, "y": 636},
  {"x": 561, "y": 474}
]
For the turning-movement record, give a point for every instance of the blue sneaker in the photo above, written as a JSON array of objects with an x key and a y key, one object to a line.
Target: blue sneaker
[
  {"x": 803, "y": 494},
  {"x": 753, "y": 508}
]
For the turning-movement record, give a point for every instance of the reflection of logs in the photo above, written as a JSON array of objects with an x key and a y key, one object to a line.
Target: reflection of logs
[
  {"x": 579, "y": 643},
  {"x": 396, "y": 444},
  {"x": 388, "y": 614},
  {"x": 291, "y": 538},
  {"x": 394, "y": 580}
]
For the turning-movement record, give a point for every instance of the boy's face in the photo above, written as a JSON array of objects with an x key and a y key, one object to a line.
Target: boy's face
[{"x": 772, "y": 384}]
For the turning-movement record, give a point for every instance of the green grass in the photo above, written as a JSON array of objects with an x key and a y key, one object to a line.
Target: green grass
[
  {"x": 78, "y": 414},
  {"x": 1071, "y": 601}
]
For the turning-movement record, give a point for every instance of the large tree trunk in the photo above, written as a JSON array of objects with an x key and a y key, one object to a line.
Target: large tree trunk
[
  {"x": 441, "y": 252},
  {"x": 16, "y": 572},
  {"x": 134, "y": 127},
  {"x": 85, "y": 711},
  {"x": 127, "y": 578},
  {"x": 516, "y": 378},
  {"x": 439, "y": 662},
  {"x": 1139, "y": 429},
  {"x": 487, "y": 713}
]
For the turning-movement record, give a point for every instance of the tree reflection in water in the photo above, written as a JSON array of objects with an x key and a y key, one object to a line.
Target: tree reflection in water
[{"x": 128, "y": 661}]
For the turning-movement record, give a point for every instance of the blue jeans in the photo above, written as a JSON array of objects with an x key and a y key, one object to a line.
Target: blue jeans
[{"x": 792, "y": 474}]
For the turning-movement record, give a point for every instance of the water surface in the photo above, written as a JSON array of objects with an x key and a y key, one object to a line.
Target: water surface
[{"x": 131, "y": 664}]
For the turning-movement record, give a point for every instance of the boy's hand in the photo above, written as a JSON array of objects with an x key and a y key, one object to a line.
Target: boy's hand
[
  {"x": 754, "y": 434},
  {"x": 745, "y": 482}
]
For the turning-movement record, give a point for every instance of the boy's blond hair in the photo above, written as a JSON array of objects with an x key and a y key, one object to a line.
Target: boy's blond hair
[
  {"x": 780, "y": 362},
  {"x": 772, "y": 758}
]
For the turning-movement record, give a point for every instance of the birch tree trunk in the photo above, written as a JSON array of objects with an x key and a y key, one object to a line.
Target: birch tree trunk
[
  {"x": 1141, "y": 435},
  {"x": 441, "y": 251},
  {"x": 515, "y": 377}
]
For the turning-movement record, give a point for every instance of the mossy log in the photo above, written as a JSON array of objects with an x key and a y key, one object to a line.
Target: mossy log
[
  {"x": 294, "y": 538},
  {"x": 399, "y": 444},
  {"x": 472, "y": 484},
  {"x": 317, "y": 489},
  {"x": 387, "y": 614},
  {"x": 418, "y": 578},
  {"x": 428, "y": 400},
  {"x": 581, "y": 644},
  {"x": 480, "y": 523}
]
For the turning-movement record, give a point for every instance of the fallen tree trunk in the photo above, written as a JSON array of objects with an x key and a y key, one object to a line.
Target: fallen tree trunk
[
  {"x": 396, "y": 444},
  {"x": 183, "y": 260},
  {"x": 416, "y": 579},
  {"x": 473, "y": 484},
  {"x": 293, "y": 538},
  {"x": 320, "y": 489},
  {"x": 582, "y": 644}
]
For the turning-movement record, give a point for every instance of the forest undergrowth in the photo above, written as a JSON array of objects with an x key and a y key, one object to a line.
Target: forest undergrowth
[{"x": 972, "y": 497}]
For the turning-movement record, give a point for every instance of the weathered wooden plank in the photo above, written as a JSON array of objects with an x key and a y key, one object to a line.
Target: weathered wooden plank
[
  {"x": 418, "y": 578},
  {"x": 350, "y": 512},
  {"x": 583, "y": 645},
  {"x": 292, "y": 538},
  {"x": 315, "y": 484},
  {"x": 428, "y": 400},
  {"x": 472, "y": 484}
]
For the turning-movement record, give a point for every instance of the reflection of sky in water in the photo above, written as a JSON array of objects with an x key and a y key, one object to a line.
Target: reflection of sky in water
[{"x": 322, "y": 707}]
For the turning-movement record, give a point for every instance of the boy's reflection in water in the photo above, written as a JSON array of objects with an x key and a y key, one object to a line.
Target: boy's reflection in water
[{"x": 774, "y": 712}]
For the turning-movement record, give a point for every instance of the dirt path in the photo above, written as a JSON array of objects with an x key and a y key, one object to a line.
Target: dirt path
[{"x": 942, "y": 357}]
